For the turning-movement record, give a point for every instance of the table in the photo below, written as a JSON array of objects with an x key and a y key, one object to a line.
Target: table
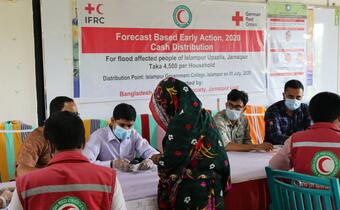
[
  {"x": 249, "y": 181},
  {"x": 139, "y": 189},
  {"x": 249, "y": 184}
]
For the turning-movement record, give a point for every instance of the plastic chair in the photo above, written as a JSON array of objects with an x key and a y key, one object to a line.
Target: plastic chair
[
  {"x": 291, "y": 190},
  {"x": 147, "y": 127},
  {"x": 255, "y": 116},
  {"x": 91, "y": 125}
]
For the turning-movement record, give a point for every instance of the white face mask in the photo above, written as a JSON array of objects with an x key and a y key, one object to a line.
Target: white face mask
[
  {"x": 292, "y": 104},
  {"x": 122, "y": 133},
  {"x": 233, "y": 114}
]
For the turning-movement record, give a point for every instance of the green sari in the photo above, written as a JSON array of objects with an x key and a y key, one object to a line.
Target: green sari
[{"x": 194, "y": 169}]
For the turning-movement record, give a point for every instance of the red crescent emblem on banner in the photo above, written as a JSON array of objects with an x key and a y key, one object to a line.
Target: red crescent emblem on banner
[
  {"x": 98, "y": 9},
  {"x": 179, "y": 13}
]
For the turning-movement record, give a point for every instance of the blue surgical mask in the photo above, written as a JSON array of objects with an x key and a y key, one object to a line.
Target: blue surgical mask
[
  {"x": 233, "y": 114},
  {"x": 121, "y": 133},
  {"x": 292, "y": 104}
]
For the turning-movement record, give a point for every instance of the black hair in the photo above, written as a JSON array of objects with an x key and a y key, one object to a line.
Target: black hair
[
  {"x": 295, "y": 84},
  {"x": 325, "y": 107},
  {"x": 65, "y": 130},
  {"x": 236, "y": 95},
  {"x": 57, "y": 104},
  {"x": 124, "y": 111}
]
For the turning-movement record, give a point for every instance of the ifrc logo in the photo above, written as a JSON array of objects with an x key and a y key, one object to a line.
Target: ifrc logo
[
  {"x": 96, "y": 10},
  {"x": 237, "y": 18},
  {"x": 182, "y": 16},
  {"x": 325, "y": 164}
]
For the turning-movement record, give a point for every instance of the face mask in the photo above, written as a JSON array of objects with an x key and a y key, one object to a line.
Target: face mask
[
  {"x": 121, "y": 133},
  {"x": 292, "y": 104},
  {"x": 233, "y": 114}
]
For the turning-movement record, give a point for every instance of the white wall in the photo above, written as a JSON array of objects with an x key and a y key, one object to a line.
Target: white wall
[
  {"x": 17, "y": 69},
  {"x": 314, "y": 2},
  {"x": 17, "y": 75}
]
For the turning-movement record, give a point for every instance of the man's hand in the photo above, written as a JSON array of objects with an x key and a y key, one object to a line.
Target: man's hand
[
  {"x": 5, "y": 197},
  {"x": 122, "y": 164},
  {"x": 155, "y": 158},
  {"x": 145, "y": 164},
  {"x": 264, "y": 146}
]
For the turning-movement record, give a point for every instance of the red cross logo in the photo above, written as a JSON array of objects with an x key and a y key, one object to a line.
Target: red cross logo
[
  {"x": 237, "y": 18},
  {"x": 89, "y": 8}
]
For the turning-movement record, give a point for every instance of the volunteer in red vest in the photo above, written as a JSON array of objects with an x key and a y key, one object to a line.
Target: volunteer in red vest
[
  {"x": 315, "y": 151},
  {"x": 69, "y": 181}
]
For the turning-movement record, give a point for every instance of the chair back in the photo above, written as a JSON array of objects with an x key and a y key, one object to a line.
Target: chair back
[
  {"x": 92, "y": 125},
  {"x": 12, "y": 134},
  {"x": 295, "y": 191},
  {"x": 147, "y": 127},
  {"x": 255, "y": 116},
  {"x": 144, "y": 124}
]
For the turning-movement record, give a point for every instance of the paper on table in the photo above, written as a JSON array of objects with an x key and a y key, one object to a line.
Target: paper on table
[{"x": 135, "y": 168}]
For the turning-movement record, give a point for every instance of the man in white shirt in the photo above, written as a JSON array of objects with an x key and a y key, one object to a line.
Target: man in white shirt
[{"x": 117, "y": 144}]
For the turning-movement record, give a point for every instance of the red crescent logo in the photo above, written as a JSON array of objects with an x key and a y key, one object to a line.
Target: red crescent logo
[
  {"x": 179, "y": 16},
  {"x": 320, "y": 165},
  {"x": 98, "y": 9},
  {"x": 68, "y": 208}
]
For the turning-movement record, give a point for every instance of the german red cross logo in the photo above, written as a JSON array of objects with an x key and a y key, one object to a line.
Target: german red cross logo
[{"x": 237, "y": 18}]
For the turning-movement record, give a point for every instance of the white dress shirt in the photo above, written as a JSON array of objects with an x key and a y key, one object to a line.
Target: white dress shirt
[{"x": 103, "y": 147}]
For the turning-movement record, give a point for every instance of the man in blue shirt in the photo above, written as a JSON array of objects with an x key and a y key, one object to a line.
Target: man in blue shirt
[{"x": 287, "y": 116}]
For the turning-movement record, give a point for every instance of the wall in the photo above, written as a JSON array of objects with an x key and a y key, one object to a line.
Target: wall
[
  {"x": 59, "y": 31},
  {"x": 17, "y": 80},
  {"x": 17, "y": 71},
  {"x": 310, "y": 2}
]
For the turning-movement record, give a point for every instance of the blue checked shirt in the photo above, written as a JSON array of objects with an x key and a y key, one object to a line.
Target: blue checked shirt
[{"x": 279, "y": 126}]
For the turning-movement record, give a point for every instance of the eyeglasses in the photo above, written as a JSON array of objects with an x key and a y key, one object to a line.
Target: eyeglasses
[{"x": 234, "y": 107}]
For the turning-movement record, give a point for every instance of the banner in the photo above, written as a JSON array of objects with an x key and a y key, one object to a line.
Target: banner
[
  {"x": 127, "y": 47},
  {"x": 287, "y": 46}
]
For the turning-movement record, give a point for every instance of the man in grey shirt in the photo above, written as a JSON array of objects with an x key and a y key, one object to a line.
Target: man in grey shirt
[{"x": 233, "y": 125}]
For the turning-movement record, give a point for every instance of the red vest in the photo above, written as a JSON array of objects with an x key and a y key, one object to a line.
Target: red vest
[
  {"x": 316, "y": 151},
  {"x": 69, "y": 180}
]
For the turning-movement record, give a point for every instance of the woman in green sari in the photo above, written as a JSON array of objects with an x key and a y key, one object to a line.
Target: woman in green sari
[{"x": 194, "y": 169}]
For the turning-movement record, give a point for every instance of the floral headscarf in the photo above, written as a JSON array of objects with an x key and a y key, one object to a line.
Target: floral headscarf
[{"x": 194, "y": 159}]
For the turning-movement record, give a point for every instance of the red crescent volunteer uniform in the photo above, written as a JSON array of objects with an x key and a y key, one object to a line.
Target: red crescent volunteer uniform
[
  {"x": 316, "y": 151},
  {"x": 69, "y": 181}
]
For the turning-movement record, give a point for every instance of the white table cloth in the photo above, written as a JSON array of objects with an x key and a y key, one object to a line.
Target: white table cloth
[{"x": 140, "y": 188}]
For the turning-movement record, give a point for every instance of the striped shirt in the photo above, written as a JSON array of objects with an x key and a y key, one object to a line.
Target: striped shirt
[{"x": 237, "y": 132}]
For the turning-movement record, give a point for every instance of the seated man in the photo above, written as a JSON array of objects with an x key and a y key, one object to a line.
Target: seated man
[
  {"x": 315, "y": 151},
  {"x": 287, "y": 116},
  {"x": 117, "y": 144},
  {"x": 233, "y": 125},
  {"x": 35, "y": 152},
  {"x": 69, "y": 181}
]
